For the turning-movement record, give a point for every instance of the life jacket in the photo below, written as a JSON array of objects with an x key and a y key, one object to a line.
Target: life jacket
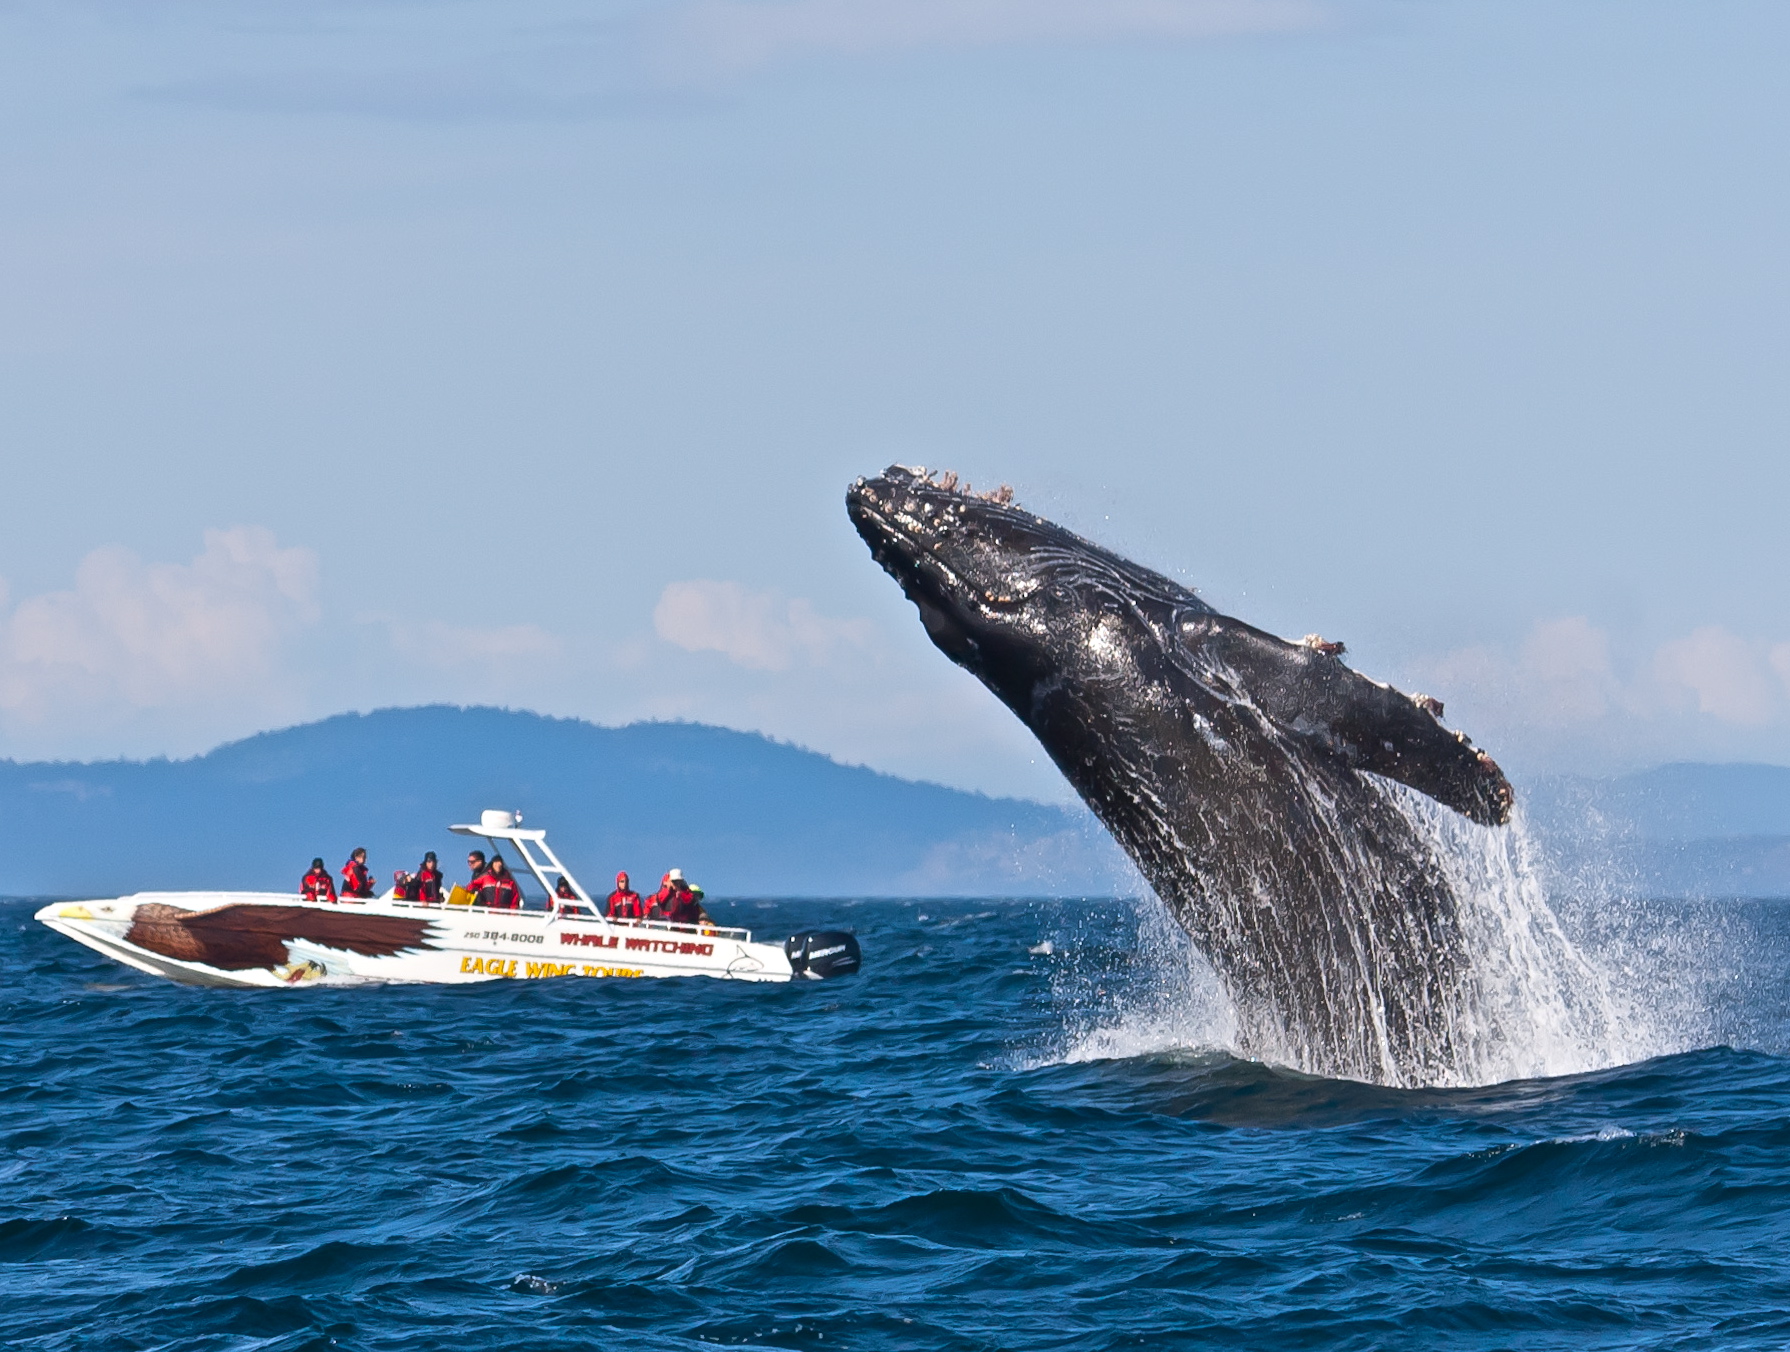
[
  {"x": 404, "y": 886},
  {"x": 506, "y": 893},
  {"x": 625, "y": 905},
  {"x": 428, "y": 885},
  {"x": 483, "y": 888},
  {"x": 317, "y": 886},
  {"x": 357, "y": 879}
]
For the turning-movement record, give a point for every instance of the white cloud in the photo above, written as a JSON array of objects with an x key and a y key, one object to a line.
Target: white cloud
[
  {"x": 1562, "y": 699},
  {"x": 150, "y": 636},
  {"x": 756, "y": 629},
  {"x": 1723, "y": 671},
  {"x": 719, "y": 36},
  {"x": 1559, "y": 676},
  {"x": 1562, "y": 675},
  {"x": 1780, "y": 663}
]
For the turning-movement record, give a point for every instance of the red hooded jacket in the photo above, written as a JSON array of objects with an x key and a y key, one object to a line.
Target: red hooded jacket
[
  {"x": 625, "y": 904},
  {"x": 357, "y": 879}
]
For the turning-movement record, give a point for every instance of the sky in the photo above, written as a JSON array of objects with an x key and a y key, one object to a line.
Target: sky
[{"x": 392, "y": 352}]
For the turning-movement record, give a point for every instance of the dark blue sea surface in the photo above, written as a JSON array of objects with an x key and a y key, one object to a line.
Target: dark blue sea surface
[{"x": 906, "y": 1159}]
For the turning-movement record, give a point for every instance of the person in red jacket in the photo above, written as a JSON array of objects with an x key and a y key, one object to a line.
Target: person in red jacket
[
  {"x": 428, "y": 881},
  {"x": 624, "y": 902},
  {"x": 317, "y": 884},
  {"x": 687, "y": 908},
  {"x": 661, "y": 899},
  {"x": 506, "y": 892},
  {"x": 677, "y": 903},
  {"x": 357, "y": 878}
]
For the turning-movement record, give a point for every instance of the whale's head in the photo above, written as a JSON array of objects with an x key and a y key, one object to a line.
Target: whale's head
[
  {"x": 1009, "y": 596},
  {"x": 1092, "y": 650}
]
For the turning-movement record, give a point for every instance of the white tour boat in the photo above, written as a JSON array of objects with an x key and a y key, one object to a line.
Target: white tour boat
[{"x": 279, "y": 939}]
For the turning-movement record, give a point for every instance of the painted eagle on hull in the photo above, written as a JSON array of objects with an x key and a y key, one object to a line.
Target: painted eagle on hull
[{"x": 239, "y": 938}]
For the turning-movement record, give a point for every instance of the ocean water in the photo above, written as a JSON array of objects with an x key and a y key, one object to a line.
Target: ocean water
[{"x": 1014, "y": 1130}]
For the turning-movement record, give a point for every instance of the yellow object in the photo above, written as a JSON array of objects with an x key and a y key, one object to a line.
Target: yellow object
[
  {"x": 459, "y": 896},
  {"x": 75, "y": 913}
]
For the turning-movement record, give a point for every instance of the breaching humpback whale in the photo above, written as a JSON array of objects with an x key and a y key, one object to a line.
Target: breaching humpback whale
[{"x": 1244, "y": 774}]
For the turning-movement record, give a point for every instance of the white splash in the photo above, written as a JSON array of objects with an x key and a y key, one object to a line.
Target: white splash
[
  {"x": 1542, "y": 997},
  {"x": 1574, "y": 972},
  {"x": 1536, "y": 1005},
  {"x": 1169, "y": 1001}
]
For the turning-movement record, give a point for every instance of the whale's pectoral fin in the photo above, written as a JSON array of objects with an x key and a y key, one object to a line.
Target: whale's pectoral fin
[{"x": 1374, "y": 727}]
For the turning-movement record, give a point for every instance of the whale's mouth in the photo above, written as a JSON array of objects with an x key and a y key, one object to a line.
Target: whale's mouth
[
  {"x": 890, "y": 510},
  {"x": 872, "y": 513},
  {"x": 931, "y": 536},
  {"x": 906, "y": 527}
]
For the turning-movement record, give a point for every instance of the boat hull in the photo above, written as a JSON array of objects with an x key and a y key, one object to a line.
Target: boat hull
[{"x": 249, "y": 939}]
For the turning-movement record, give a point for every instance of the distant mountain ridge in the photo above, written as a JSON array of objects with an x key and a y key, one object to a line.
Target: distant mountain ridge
[
  {"x": 1680, "y": 830},
  {"x": 739, "y": 812}
]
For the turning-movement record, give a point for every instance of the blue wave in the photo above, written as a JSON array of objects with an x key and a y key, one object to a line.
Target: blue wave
[{"x": 893, "y": 1161}]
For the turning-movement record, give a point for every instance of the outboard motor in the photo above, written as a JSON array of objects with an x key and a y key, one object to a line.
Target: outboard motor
[{"x": 823, "y": 953}]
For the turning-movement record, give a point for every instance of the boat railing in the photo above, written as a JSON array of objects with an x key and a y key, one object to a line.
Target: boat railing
[
  {"x": 675, "y": 927},
  {"x": 702, "y": 931}
]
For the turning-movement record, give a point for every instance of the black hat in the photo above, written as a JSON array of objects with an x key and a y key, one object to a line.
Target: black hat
[
  {"x": 317, "y": 863},
  {"x": 429, "y": 858}
]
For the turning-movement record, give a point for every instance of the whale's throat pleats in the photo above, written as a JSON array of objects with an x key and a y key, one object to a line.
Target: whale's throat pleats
[{"x": 947, "y": 635}]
